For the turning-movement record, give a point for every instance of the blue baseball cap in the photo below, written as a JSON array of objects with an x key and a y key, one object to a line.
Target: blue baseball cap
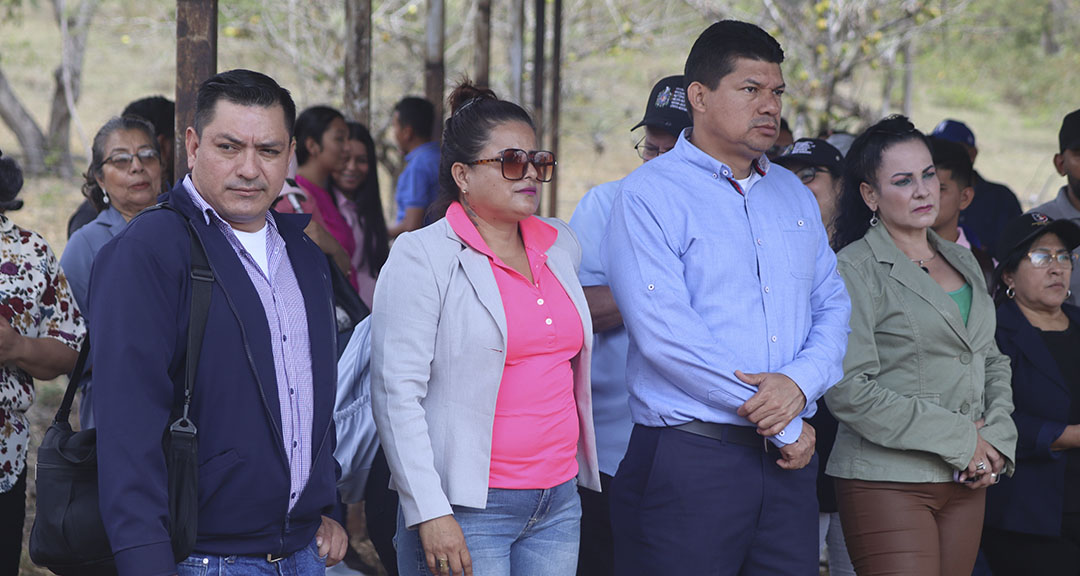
[{"x": 954, "y": 131}]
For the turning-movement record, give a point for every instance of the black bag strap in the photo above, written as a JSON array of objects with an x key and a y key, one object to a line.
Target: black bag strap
[
  {"x": 202, "y": 282},
  {"x": 64, "y": 412}
]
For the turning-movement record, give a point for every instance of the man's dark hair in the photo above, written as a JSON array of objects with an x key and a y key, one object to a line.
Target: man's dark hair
[
  {"x": 158, "y": 111},
  {"x": 716, "y": 49},
  {"x": 418, "y": 114},
  {"x": 953, "y": 156},
  {"x": 243, "y": 87}
]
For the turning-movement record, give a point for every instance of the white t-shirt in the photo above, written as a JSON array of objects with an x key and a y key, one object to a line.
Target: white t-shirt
[{"x": 255, "y": 244}]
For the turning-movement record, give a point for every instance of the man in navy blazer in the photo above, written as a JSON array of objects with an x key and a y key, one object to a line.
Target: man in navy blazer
[{"x": 264, "y": 389}]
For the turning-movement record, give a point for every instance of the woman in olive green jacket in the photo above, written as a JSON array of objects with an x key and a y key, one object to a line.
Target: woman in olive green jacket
[{"x": 924, "y": 406}]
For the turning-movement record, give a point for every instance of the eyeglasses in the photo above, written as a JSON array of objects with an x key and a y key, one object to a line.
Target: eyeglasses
[
  {"x": 515, "y": 163},
  {"x": 123, "y": 160},
  {"x": 648, "y": 151},
  {"x": 1042, "y": 258},
  {"x": 808, "y": 174}
]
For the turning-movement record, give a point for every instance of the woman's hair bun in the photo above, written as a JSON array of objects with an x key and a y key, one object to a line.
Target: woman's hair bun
[{"x": 465, "y": 92}]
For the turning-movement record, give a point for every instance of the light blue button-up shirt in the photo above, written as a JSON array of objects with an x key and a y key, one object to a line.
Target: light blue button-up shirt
[
  {"x": 711, "y": 279},
  {"x": 611, "y": 414}
]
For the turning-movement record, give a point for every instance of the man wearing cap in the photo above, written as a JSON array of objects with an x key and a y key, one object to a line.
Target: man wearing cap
[
  {"x": 994, "y": 204},
  {"x": 820, "y": 166},
  {"x": 738, "y": 323},
  {"x": 665, "y": 118},
  {"x": 1067, "y": 203}
]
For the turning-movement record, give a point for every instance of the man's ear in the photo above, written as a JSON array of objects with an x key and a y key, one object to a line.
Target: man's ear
[
  {"x": 695, "y": 96},
  {"x": 967, "y": 196},
  {"x": 1059, "y": 163},
  {"x": 191, "y": 143}
]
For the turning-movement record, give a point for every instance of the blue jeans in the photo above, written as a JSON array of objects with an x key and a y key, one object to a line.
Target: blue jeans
[
  {"x": 304, "y": 562},
  {"x": 519, "y": 533}
]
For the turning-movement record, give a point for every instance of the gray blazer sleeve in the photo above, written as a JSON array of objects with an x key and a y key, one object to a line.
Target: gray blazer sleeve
[{"x": 405, "y": 318}]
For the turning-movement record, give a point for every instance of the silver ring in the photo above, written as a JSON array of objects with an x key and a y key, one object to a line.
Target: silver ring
[
  {"x": 980, "y": 466},
  {"x": 993, "y": 475}
]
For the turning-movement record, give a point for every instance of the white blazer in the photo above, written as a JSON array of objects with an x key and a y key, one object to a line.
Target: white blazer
[{"x": 438, "y": 350}]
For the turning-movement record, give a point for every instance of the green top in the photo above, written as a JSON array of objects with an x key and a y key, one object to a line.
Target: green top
[{"x": 962, "y": 297}]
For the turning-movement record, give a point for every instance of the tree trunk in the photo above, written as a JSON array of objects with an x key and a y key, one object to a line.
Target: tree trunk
[
  {"x": 909, "y": 77},
  {"x": 538, "y": 70},
  {"x": 483, "y": 43},
  {"x": 196, "y": 60},
  {"x": 435, "y": 67},
  {"x": 68, "y": 78},
  {"x": 31, "y": 138},
  {"x": 358, "y": 61},
  {"x": 1051, "y": 18},
  {"x": 517, "y": 51}
]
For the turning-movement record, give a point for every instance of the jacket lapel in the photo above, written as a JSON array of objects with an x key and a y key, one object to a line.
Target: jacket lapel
[
  {"x": 232, "y": 279},
  {"x": 915, "y": 279},
  {"x": 1027, "y": 339},
  {"x": 477, "y": 269},
  {"x": 561, "y": 265}
]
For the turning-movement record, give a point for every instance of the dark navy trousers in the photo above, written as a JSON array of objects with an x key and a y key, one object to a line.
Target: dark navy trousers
[{"x": 687, "y": 504}]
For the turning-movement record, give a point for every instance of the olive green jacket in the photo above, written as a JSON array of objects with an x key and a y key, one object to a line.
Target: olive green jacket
[{"x": 916, "y": 379}]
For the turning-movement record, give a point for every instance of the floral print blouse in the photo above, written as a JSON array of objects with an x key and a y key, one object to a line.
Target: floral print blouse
[{"x": 36, "y": 301}]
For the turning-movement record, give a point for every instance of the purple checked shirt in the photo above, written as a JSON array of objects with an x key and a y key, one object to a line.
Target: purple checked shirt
[{"x": 285, "y": 313}]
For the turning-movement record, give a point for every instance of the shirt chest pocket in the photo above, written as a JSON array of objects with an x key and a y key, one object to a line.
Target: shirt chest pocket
[{"x": 800, "y": 243}]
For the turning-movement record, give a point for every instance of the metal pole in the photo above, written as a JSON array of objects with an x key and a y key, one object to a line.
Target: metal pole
[
  {"x": 196, "y": 60},
  {"x": 483, "y": 43},
  {"x": 517, "y": 51},
  {"x": 538, "y": 71}
]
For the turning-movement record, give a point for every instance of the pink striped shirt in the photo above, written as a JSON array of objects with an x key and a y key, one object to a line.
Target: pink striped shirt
[{"x": 535, "y": 434}]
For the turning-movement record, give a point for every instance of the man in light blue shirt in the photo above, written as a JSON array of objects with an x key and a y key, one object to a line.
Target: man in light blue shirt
[
  {"x": 665, "y": 117},
  {"x": 418, "y": 184},
  {"x": 738, "y": 323}
]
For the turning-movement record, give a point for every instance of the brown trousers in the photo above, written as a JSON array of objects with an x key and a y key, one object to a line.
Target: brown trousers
[{"x": 909, "y": 529}]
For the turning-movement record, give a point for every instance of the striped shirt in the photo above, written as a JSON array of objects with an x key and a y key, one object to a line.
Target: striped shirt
[{"x": 287, "y": 318}]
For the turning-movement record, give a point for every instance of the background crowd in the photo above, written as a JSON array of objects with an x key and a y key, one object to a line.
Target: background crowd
[{"x": 749, "y": 336}]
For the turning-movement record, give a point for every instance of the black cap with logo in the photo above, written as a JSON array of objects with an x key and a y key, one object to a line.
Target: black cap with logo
[
  {"x": 1028, "y": 227},
  {"x": 667, "y": 107}
]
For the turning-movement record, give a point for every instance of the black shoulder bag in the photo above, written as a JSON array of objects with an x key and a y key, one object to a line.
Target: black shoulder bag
[{"x": 68, "y": 536}]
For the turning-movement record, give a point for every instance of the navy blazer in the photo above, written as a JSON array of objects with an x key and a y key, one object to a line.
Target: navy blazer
[
  {"x": 140, "y": 293},
  {"x": 1032, "y": 500}
]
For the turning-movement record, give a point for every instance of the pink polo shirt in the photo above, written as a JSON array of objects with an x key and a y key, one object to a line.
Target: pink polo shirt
[{"x": 535, "y": 435}]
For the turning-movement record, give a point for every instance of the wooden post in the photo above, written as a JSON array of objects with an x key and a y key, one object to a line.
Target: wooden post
[
  {"x": 517, "y": 51},
  {"x": 434, "y": 67},
  {"x": 556, "y": 97},
  {"x": 483, "y": 43},
  {"x": 358, "y": 61},
  {"x": 538, "y": 71},
  {"x": 196, "y": 60}
]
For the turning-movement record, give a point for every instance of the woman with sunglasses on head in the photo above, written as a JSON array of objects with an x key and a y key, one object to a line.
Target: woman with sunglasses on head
[
  {"x": 124, "y": 177},
  {"x": 925, "y": 399},
  {"x": 480, "y": 362},
  {"x": 1033, "y": 519}
]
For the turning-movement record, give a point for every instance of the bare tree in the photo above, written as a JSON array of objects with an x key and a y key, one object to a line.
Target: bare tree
[
  {"x": 829, "y": 41},
  {"x": 51, "y": 149}
]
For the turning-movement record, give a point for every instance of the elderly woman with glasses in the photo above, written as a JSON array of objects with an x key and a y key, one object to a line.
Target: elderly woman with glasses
[
  {"x": 124, "y": 177},
  {"x": 480, "y": 362},
  {"x": 1033, "y": 519},
  {"x": 925, "y": 400}
]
